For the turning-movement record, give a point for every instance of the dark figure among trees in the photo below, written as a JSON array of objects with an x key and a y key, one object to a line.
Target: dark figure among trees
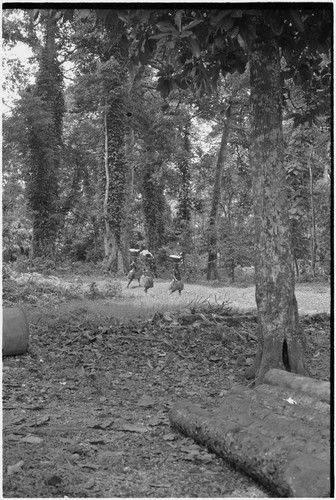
[{"x": 177, "y": 283}]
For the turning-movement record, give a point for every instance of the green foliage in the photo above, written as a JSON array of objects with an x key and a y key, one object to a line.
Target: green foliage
[
  {"x": 172, "y": 51},
  {"x": 308, "y": 146},
  {"x": 236, "y": 244},
  {"x": 183, "y": 162},
  {"x": 154, "y": 207},
  {"x": 115, "y": 130},
  {"x": 201, "y": 44},
  {"x": 40, "y": 289},
  {"x": 43, "y": 109}
]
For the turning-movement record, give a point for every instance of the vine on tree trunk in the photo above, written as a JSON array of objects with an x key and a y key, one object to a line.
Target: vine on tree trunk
[{"x": 278, "y": 318}]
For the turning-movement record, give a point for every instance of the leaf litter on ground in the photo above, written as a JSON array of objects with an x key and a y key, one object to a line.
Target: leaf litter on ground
[{"x": 131, "y": 372}]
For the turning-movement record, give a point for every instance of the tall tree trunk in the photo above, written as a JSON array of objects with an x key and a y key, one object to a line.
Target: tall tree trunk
[
  {"x": 114, "y": 77},
  {"x": 281, "y": 341},
  {"x": 313, "y": 244},
  {"x": 128, "y": 196},
  {"x": 212, "y": 270},
  {"x": 183, "y": 222},
  {"x": 44, "y": 126},
  {"x": 110, "y": 244},
  {"x": 153, "y": 204}
]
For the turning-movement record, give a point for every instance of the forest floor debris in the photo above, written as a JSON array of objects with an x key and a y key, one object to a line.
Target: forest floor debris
[{"x": 85, "y": 410}]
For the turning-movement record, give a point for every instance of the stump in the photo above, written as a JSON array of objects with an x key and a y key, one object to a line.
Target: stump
[
  {"x": 15, "y": 332},
  {"x": 278, "y": 436}
]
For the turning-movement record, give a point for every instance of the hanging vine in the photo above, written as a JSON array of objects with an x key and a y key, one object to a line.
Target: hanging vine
[{"x": 115, "y": 160}]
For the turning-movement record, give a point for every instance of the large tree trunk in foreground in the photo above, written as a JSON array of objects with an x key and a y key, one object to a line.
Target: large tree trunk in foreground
[
  {"x": 285, "y": 446},
  {"x": 281, "y": 341}
]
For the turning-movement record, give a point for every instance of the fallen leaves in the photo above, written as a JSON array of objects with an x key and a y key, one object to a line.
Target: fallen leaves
[
  {"x": 54, "y": 481},
  {"x": 32, "y": 440},
  {"x": 44, "y": 419},
  {"x": 15, "y": 469},
  {"x": 88, "y": 465},
  {"x": 90, "y": 484},
  {"x": 169, "y": 437},
  {"x": 102, "y": 396},
  {"x": 105, "y": 424},
  {"x": 133, "y": 428},
  {"x": 146, "y": 401}
]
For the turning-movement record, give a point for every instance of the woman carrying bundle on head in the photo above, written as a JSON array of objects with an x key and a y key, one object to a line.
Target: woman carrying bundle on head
[
  {"x": 177, "y": 283},
  {"x": 177, "y": 274},
  {"x": 133, "y": 273},
  {"x": 147, "y": 279}
]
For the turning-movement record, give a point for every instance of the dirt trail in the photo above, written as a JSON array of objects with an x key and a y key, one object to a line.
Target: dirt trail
[{"x": 313, "y": 298}]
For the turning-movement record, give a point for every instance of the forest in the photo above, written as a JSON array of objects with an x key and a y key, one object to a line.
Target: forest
[
  {"x": 199, "y": 133},
  {"x": 140, "y": 129},
  {"x": 104, "y": 158}
]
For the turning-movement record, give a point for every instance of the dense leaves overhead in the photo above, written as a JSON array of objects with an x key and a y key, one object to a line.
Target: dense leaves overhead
[{"x": 201, "y": 44}]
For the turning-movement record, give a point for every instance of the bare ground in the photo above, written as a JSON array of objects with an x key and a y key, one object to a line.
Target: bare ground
[
  {"x": 313, "y": 298},
  {"x": 85, "y": 410}
]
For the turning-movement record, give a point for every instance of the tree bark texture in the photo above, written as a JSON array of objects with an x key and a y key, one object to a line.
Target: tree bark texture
[
  {"x": 212, "y": 271},
  {"x": 183, "y": 162},
  {"x": 115, "y": 163},
  {"x": 44, "y": 126},
  {"x": 153, "y": 206},
  {"x": 313, "y": 244},
  {"x": 183, "y": 216},
  {"x": 128, "y": 196},
  {"x": 110, "y": 244},
  {"x": 281, "y": 340},
  {"x": 284, "y": 446}
]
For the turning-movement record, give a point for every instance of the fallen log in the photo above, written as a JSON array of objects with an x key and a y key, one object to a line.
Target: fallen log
[
  {"x": 267, "y": 437},
  {"x": 318, "y": 388},
  {"x": 317, "y": 408},
  {"x": 282, "y": 399}
]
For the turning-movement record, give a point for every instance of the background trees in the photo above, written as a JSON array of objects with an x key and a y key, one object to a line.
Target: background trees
[
  {"x": 167, "y": 131},
  {"x": 175, "y": 137},
  {"x": 149, "y": 89}
]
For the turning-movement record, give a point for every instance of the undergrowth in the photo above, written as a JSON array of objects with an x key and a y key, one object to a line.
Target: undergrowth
[
  {"x": 34, "y": 288},
  {"x": 201, "y": 304}
]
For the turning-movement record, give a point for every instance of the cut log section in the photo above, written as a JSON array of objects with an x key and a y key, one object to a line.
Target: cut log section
[
  {"x": 276, "y": 436},
  {"x": 15, "y": 331},
  {"x": 320, "y": 389}
]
